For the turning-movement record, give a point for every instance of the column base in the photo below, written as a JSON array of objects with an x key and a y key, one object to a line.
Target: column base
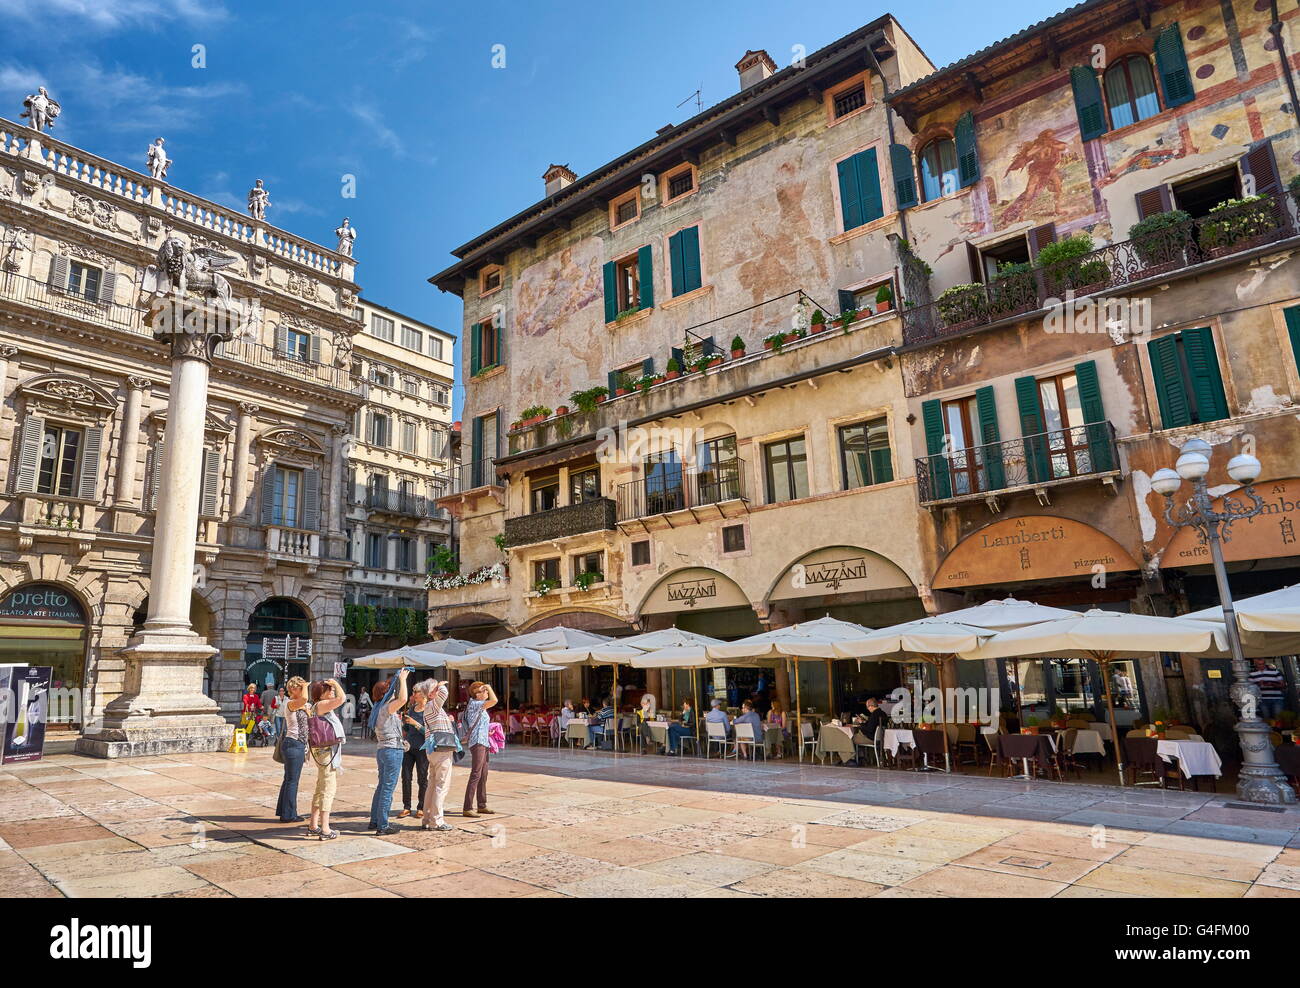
[
  {"x": 164, "y": 709},
  {"x": 1270, "y": 789}
]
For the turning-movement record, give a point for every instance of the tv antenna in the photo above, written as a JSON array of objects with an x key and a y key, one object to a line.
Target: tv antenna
[{"x": 698, "y": 96}]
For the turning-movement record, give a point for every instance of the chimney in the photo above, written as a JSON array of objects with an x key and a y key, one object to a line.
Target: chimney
[
  {"x": 558, "y": 177},
  {"x": 755, "y": 67}
]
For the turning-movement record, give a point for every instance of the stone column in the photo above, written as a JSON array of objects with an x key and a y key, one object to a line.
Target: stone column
[
  {"x": 239, "y": 474},
  {"x": 337, "y": 470},
  {"x": 129, "y": 440},
  {"x": 7, "y": 352},
  {"x": 163, "y": 708}
]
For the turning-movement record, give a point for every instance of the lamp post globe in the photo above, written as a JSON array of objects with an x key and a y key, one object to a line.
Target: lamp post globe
[
  {"x": 1165, "y": 481},
  {"x": 1244, "y": 468},
  {"x": 1192, "y": 466}
]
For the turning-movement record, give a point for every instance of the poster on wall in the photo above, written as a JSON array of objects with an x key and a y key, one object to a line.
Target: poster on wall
[{"x": 27, "y": 705}]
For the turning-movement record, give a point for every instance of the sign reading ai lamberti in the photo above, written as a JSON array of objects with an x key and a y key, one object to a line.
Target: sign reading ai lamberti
[
  {"x": 1035, "y": 547},
  {"x": 1272, "y": 534}
]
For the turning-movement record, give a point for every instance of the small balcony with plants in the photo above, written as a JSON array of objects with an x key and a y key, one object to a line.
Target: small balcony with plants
[
  {"x": 1159, "y": 247},
  {"x": 589, "y": 515},
  {"x": 1031, "y": 464}
]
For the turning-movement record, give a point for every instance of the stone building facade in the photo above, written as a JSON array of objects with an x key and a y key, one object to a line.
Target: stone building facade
[
  {"x": 969, "y": 433},
  {"x": 83, "y": 421}
]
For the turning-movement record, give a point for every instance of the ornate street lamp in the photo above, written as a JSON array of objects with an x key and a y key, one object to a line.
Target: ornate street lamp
[{"x": 1260, "y": 780}]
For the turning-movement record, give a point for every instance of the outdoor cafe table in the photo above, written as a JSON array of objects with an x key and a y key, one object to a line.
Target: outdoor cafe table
[
  {"x": 577, "y": 731},
  {"x": 658, "y": 731},
  {"x": 896, "y": 737},
  {"x": 1087, "y": 742},
  {"x": 1025, "y": 747},
  {"x": 1194, "y": 757}
]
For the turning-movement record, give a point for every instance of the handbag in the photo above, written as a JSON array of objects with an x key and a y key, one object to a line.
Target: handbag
[
  {"x": 277, "y": 754},
  {"x": 463, "y": 735},
  {"x": 321, "y": 733}
]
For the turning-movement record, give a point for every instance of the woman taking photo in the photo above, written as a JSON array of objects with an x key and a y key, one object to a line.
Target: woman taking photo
[
  {"x": 390, "y": 746},
  {"x": 326, "y": 697},
  {"x": 475, "y": 721},
  {"x": 441, "y": 746},
  {"x": 293, "y": 749},
  {"x": 415, "y": 757}
]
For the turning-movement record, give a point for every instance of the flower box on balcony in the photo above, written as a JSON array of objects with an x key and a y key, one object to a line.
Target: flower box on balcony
[{"x": 562, "y": 410}]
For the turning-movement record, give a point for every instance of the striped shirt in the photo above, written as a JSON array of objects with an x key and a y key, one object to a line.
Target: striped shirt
[
  {"x": 1271, "y": 683},
  {"x": 475, "y": 719}
]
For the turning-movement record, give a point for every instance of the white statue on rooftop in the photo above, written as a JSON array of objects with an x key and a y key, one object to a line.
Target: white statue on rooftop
[
  {"x": 157, "y": 159},
  {"x": 347, "y": 235},
  {"x": 258, "y": 200},
  {"x": 42, "y": 108}
]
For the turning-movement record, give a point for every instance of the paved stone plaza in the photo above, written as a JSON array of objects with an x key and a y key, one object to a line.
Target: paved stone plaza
[{"x": 594, "y": 825}]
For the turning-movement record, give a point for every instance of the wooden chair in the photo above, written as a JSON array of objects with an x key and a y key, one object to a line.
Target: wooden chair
[
  {"x": 1065, "y": 751},
  {"x": 1142, "y": 759},
  {"x": 967, "y": 741}
]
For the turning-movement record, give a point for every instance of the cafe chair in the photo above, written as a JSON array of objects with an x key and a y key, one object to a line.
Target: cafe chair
[
  {"x": 554, "y": 729},
  {"x": 1066, "y": 760},
  {"x": 1141, "y": 757},
  {"x": 875, "y": 746},
  {"x": 968, "y": 743},
  {"x": 807, "y": 740},
  {"x": 717, "y": 734},
  {"x": 745, "y": 738},
  {"x": 691, "y": 739}
]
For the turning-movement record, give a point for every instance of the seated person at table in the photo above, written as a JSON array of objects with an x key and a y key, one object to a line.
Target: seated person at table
[
  {"x": 717, "y": 715},
  {"x": 749, "y": 716},
  {"x": 686, "y": 729},
  {"x": 876, "y": 717},
  {"x": 648, "y": 710},
  {"x": 602, "y": 735},
  {"x": 566, "y": 715}
]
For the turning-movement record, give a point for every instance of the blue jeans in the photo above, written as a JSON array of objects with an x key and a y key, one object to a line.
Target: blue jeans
[
  {"x": 390, "y": 765},
  {"x": 675, "y": 734},
  {"x": 1270, "y": 709},
  {"x": 294, "y": 753}
]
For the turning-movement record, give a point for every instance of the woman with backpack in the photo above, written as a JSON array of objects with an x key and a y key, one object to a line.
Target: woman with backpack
[
  {"x": 326, "y": 697},
  {"x": 474, "y": 724},
  {"x": 390, "y": 747},
  {"x": 292, "y": 749}
]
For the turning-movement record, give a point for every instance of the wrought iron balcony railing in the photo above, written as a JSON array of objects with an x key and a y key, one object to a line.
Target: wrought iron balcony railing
[
  {"x": 472, "y": 475},
  {"x": 664, "y": 493},
  {"x": 1162, "y": 252},
  {"x": 1045, "y": 458},
  {"x": 594, "y": 515},
  {"x": 394, "y": 502}
]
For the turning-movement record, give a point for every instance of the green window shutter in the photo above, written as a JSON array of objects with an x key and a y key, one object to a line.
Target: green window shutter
[
  {"x": 676, "y": 353},
  {"x": 882, "y": 465},
  {"x": 847, "y": 300},
  {"x": 1293, "y": 330},
  {"x": 850, "y": 194},
  {"x": 648, "y": 365},
  {"x": 611, "y": 292},
  {"x": 1207, "y": 382},
  {"x": 904, "y": 172},
  {"x": 612, "y": 382},
  {"x": 1031, "y": 429},
  {"x": 677, "y": 276},
  {"x": 475, "y": 348},
  {"x": 935, "y": 448},
  {"x": 476, "y": 453},
  {"x": 691, "y": 273},
  {"x": 968, "y": 159},
  {"x": 268, "y": 492},
  {"x": 1094, "y": 416},
  {"x": 991, "y": 449},
  {"x": 873, "y": 203},
  {"x": 29, "y": 457},
  {"x": 1168, "y": 377},
  {"x": 1171, "y": 66},
  {"x": 1087, "y": 102},
  {"x": 646, "y": 277}
]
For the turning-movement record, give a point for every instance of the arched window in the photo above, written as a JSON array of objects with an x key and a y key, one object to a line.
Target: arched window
[
  {"x": 1131, "y": 91},
  {"x": 938, "y": 169}
]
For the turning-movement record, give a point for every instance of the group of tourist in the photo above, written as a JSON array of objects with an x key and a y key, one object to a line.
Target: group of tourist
[{"x": 416, "y": 739}]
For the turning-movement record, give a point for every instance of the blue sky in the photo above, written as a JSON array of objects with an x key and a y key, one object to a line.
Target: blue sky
[{"x": 404, "y": 96}]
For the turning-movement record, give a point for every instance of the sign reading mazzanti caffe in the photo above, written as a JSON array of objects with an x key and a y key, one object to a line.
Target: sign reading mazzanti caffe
[
  {"x": 1035, "y": 547},
  {"x": 840, "y": 569},
  {"x": 1272, "y": 534}
]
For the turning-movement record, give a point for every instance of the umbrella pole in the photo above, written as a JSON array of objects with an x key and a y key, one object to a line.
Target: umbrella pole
[
  {"x": 1020, "y": 717},
  {"x": 943, "y": 712},
  {"x": 1104, "y": 663},
  {"x": 617, "y": 716},
  {"x": 695, "y": 687},
  {"x": 798, "y": 709}
]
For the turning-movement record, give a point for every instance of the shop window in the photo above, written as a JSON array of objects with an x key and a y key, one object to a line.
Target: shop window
[
  {"x": 864, "y": 453},
  {"x": 641, "y": 553}
]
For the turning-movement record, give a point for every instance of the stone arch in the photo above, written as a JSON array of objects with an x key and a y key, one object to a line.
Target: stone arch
[
  {"x": 691, "y": 583},
  {"x": 883, "y": 570}
]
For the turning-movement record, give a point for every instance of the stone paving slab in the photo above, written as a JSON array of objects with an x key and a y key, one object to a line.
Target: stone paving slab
[{"x": 595, "y": 825}]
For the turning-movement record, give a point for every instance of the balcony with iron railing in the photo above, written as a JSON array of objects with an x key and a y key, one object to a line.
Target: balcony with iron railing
[
  {"x": 720, "y": 487},
  {"x": 401, "y": 503},
  {"x": 1155, "y": 256},
  {"x": 130, "y": 319},
  {"x": 1031, "y": 463},
  {"x": 592, "y": 515}
]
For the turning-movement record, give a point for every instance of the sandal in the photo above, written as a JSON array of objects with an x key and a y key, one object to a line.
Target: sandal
[
  {"x": 313, "y": 831},
  {"x": 329, "y": 835}
]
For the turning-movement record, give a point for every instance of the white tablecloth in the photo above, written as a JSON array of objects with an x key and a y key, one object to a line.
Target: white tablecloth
[
  {"x": 1102, "y": 729},
  {"x": 1088, "y": 743},
  {"x": 894, "y": 737},
  {"x": 1194, "y": 757}
]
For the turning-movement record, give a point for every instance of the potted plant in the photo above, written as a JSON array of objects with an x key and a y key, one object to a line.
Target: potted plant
[
  {"x": 562, "y": 410},
  {"x": 1012, "y": 289},
  {"x": 962, "y": 305},
  {"x": 1069, "y": 264},
  {"x": 586, "y": 401},
  {"x": 1233, "y": 223},
  {"x": 1031, "y": 725},
  {"x": 534, "y": 414},
  {"x": 674, "y": 369},
  {"x": 585, "y": 580},
  {"x": 737, "y": 348},
  {"x": 545, "y": 586},
  {"x": 645, "y": 382},
  {"x": 818, "y": 321},
  {"x": 714, "y": 360},
  {"x": 516, "y": 425},
  {"x": 884, "y": 298},
  {"x": 774, "y": 342},
  {"x": 1162, "y": 238},
  {"x": 846, "y": 317}
]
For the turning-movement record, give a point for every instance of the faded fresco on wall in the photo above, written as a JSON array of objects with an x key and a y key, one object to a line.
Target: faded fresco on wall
[
  {"x": 559, "y": 299},
  {"x": 1033, "y": 163}
]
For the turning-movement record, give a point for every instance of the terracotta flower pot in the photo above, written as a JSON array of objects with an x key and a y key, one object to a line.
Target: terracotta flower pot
[
  {"x": 562, "y": 410},
  {"x": 884, "y": 306},
  {"x": 620, "y": 392},
  {"x": 818, "y": 327},
  {"x": 715, "y": 362},
  {"x": 737, "y": 354},
  {"x": 671, "y": 375},
  {"x": 601, "y": 399},
  {"x": 767, "y": 344}
]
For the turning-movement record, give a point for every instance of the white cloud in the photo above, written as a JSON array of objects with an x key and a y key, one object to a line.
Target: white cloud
[{"x": 114, "y": 15}]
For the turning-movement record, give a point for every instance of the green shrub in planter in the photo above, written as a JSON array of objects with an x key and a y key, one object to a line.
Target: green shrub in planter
[
  {"x": 961, "y": 303},
  {"x": 1237, "y": 220},
  {"x": 1067, "y": 265},
  {"x": 1012, "y": 287},
  {"x": 737, "y": 344},
  {"x": 818, "y": 317},
  {"x": 1160, "y": 238}
]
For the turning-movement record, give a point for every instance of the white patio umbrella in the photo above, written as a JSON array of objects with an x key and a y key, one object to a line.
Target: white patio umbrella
[
  {"x": 445, "y": 646},
  {"x": 933, "y": 640},
  {"x": 1269, "y": 623},
  {"x": 808, "y": 639},
  {"x": 1104, "y": 637},
  {"x": 396, "y": 658}
]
